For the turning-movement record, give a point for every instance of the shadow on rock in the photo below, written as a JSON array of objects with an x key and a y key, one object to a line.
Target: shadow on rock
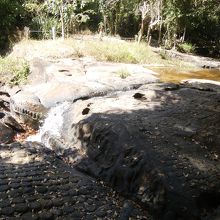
[
  {"x": 36, "y": 184},
  {"x": 159, "y": 145}
]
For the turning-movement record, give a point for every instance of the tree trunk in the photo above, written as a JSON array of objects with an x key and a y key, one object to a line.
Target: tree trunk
[
  {"x": 184, "y": 35},
  {"x": 168, "y": 36},
  {"x": 148, "y": 34},
  {"x": 141, "y": 32},
  {"x": 105, "y": 23},
  {"x": 117, "y": 17},
  {"x": 160, "y": 34},
  {"x": 62, "y": 21},
  {"x": 116, "y": 24}
]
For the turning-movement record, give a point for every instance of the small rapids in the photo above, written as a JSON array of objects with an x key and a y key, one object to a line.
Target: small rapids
[{"x": 52, "y": 124}]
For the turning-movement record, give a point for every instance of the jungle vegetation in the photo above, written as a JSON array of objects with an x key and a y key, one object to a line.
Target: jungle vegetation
[{"x": 188, "y": 25}]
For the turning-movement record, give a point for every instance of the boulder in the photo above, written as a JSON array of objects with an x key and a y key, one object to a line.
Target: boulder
[
  {"x": 158, "y": 144},
  {"x": 32, "y": 102},
  {"x": 27, "y": 108},
  {"x": 9, "y": 127},
  {"x": 6, "y": 134}
]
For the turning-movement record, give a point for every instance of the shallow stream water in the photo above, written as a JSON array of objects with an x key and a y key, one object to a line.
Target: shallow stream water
[{"x": 175, "y": 76}]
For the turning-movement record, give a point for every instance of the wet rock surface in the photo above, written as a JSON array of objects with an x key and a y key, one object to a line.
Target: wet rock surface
[
  {"x": 9, "y": 126},
  {"x": 36, "y": 184},
  {"x": 158, "y": 144}
]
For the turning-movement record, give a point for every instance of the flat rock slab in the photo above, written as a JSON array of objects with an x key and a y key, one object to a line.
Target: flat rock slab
[
  {"x": 158, "y": 144},
  {"x": 84, "y": 69},
  {"x": 202, "y": 62},
  {"x": 36, "y": 184},
  {"x": 202, "y": 84},
  {"x": 70, "y": 79}
]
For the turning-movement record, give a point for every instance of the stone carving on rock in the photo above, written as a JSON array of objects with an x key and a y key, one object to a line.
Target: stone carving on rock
[{"x": 27, "y": 108}]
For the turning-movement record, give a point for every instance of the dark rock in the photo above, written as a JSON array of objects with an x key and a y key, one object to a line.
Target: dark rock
[
  {"x": 77, "y": 215},
  {"x": 156, "y": 151},
  {"x": 56, "y": 212},
  {"x": 4, "y": 188},
  {"x": 2, "y": 93},
  {"x": 21, "y": 207},
  {"x": 57, "y": 202},
  {"x": 18, "y": 200},
  {"x": 41, "y": 189},
  {"x": 7, "y": 211},
  {"x": 45, "y": 203},
  {"x": 28, "y": 189},
  {"x": 5, "y": 203},
  {"x": 85, "y": 111},
  {"x": 73, "y": 192},
  {"x": 6, "y": 134},
  {"x": 100, "y": 212},
  {"x": 4, "y": 101},
  {"x": 81, "y": 199},
  {"x": 35, "y": 205},
  {"x": 45, "y": 215},
  {"x": 126, "y": 211},
  {"x": 12, "y": 123},
  {"x": 14, "y": 185},
  {"x": 29, "y": 216},
  {"x": 90, "y": 208},
  {"x": 138, "y": 95},
  {"x": 68, "y": 209}
]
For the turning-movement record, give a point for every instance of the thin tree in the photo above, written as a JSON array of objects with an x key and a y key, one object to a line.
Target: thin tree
[
  {"x": 144, "y": 9},
  {"x": 155, "y": 17}
]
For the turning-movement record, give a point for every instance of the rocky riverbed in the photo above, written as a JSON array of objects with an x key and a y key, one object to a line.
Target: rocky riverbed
[
  {"x": 36, "y": 184},
  {"x": 125, "y": 147}
]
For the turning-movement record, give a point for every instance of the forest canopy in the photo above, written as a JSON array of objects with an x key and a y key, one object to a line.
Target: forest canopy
[{"x": 169, "y": 23}]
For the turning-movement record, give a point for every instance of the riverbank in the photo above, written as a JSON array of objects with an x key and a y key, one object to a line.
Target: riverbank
[
  {"x": 108, "y": 130},
  {"x": 172, "y": 66}
]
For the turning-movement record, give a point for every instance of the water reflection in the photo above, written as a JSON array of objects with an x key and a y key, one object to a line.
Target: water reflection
[{"x": 175, "y": 76}]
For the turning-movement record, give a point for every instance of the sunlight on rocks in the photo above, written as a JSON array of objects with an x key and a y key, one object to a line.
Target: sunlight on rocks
[{"x": 19, "y": 157}]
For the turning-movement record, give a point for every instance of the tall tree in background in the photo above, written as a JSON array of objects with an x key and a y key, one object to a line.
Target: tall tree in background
[
  {"x": 70, "y": 13},
  {"x": 171, "y": 22},
  {"x": 155, "y": 7},
  {"x": 61, "y": 9},
  {"x": 144, "y": 9},
  {"x": 11, "y": 14},
  {"x": 119, "y": 16}
]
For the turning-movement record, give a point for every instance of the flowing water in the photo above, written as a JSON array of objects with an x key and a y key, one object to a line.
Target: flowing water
[
  {"x": 52, "y": 124},
  {"x": 175, "y": 76}
]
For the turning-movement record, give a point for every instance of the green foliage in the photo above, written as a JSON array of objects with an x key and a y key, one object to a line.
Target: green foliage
[
  {"x": 71, "y": 14},
  {"x": 116, "y": 51},
  {"x": 119, "y": 17},
  {"x": 195, "y": 21},
  {"x": 123, "y": 73},
  {"x": 21, "y": 74},
  {"x": 186, "y": 48},
  {"x": 11, "y": 13},
  {"x": 199, "y": 20},
  {"x": 163, "y": 55},
  {"x": 14, "y": 71}
]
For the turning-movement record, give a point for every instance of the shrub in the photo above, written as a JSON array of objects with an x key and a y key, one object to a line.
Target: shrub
[
  {"x": 186, "y": 48},
  {"x": 123, "y": 73},
  {"x": 119, "y": 51},
  {"x": 14, "y": 71}
]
